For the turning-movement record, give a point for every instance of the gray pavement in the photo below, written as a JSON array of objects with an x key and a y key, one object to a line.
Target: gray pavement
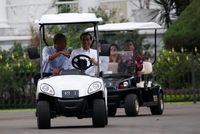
[{"x": 177, "y": 119}]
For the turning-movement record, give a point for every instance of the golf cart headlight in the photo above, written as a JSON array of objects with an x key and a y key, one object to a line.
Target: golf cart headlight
[
  {"x": 123, "y": 85},
  {"x": 94, "y": 87},
  {"x": 109, "y": 84},
  {"x": 47, "y": 89}
]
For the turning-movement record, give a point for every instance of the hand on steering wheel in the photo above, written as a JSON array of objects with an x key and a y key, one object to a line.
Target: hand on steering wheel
[{"x": 80, "y": 62}]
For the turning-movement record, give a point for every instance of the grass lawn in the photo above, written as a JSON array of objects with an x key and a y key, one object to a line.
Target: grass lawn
[
  {"x": 187, "y": 102},
  {"x": 18, "y": 110}
]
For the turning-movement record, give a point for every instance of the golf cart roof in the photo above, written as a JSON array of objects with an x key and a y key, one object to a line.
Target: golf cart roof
[
  {"x": 64, "y": 18},
  {"x": 127, "y": 26}
]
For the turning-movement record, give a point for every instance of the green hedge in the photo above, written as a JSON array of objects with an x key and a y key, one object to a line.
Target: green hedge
[
  {"x": 185, "y": 32},
  {"x": 16, "y": 70},
  {"x": 173, "y": 70}
]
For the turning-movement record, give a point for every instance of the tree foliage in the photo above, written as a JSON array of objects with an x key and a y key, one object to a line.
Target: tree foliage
[
  {"x": 165, "y": 12},
  {"x": 169, "y": 9},
  {"x": 15, "y": 60},
  {"x": 16, "y": 71},
  {"x": 111, "y": 17},
  {"x": 184, "y": 34},
  {"x": 180, "y": 5}
]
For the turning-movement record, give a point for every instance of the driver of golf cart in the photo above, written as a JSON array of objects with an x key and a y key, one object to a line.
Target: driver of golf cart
[
  {"x": 54, "y": 58},
  {"x": 86, "y": 40}
]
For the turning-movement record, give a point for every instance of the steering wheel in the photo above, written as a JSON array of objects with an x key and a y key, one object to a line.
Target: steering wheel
[{"x": 80, "y": 62}]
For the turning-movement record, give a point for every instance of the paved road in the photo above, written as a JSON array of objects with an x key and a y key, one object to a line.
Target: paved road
[{"x": 177, "y": 119}]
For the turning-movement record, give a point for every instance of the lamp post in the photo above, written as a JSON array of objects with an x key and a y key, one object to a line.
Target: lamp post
[{"x": 193, "y": 78}]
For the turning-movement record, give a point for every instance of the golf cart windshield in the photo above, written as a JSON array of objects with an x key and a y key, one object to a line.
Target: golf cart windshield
[{"x": 123, "y": 63}]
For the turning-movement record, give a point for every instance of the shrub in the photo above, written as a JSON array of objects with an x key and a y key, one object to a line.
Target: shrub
[{"x": 173, "y": 70}]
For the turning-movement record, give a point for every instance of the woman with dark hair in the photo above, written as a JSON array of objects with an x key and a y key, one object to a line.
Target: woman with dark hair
[{"x": 114, "y": 57}]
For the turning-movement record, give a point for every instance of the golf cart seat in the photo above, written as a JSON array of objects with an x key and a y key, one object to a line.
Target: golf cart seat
[
  {"x": 33, "y": 53},
  {"x": 145, "y": 74},
  {"x": 113, "y": 67},
  {"x": 147, "y": 68},
  {"x": 104, "y": 55}
]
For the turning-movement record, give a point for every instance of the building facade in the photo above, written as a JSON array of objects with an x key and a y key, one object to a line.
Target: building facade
[
  {"x": 17, "y": 16},
  {"x": 17, "y": 19}
]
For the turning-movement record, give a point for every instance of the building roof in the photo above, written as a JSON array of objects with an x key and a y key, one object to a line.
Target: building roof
[
  {"x": 64, "y": 18},
  {"x": 127, "y": 26}
]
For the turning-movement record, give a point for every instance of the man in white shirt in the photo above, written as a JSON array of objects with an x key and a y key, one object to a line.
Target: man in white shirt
[
  {"x": 86, "y": 42},
  {"x": 54, "y": 58}
]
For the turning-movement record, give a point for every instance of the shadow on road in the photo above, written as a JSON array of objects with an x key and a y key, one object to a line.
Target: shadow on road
[{"x": 72, "y": 127}]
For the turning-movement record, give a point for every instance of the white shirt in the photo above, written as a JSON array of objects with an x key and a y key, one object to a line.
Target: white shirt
[
  {"x": 59, "y": 62},
  {"x": 92, "y": 53}
]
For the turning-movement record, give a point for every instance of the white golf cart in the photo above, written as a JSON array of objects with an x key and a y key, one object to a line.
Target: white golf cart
[
  {"x": 125, "y": 90},
  {"x": 72, "y": 93}
]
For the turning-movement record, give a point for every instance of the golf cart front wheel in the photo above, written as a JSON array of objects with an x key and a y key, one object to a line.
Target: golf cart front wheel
[
  {"x": 43, "y": 115},
  {"x": 159, "y": 108},
  {"x": 131, "y": 105},
  {"x": 99, "y": 117}
]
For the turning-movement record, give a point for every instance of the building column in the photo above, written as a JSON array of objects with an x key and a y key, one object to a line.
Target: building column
[{"x": 3, "y": 14}]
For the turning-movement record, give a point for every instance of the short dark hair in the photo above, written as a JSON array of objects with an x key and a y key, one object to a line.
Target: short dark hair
[
  {"x": 86, "y": 33},
  {"x": 129, "y": 40},
  {"x": 115, "y": 45},
  {"x": 57, "y": 37}
]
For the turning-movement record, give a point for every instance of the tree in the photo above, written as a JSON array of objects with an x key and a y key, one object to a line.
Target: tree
[
  {"x": 65, "y": 8},
  {"x": 142, "y": 3},
  {"x": 185, "y": 32},
  {"x": 16, "y": 71},
  {"x": 111, "y": 17},
  {"x": 169, "y": 9},
  {"x": 181, "y": 5},
  {"x": 164, "y": 13},
  {"x": 184, "y": 35}
]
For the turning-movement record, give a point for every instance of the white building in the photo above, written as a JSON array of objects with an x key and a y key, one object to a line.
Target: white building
[{"x": 17, "y": 16}]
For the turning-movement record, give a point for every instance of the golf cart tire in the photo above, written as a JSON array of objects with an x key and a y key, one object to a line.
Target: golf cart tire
[
  {"x": 112, "y": 111},
  {"x": 159, "y": 108},
  {"x": 43, "y": 115},
  {"x": 99, "y": 117},
  {"x": 131, "y": 105}
]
